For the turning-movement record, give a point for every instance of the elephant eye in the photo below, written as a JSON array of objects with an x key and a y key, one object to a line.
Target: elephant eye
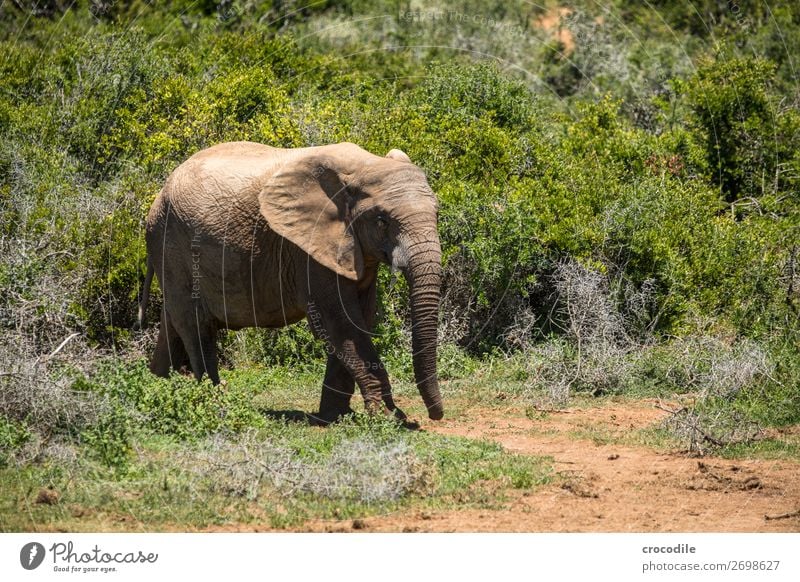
[{"x": 381, "y": 220}]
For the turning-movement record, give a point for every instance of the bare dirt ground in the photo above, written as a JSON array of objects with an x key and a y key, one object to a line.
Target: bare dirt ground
[
  {"x": 553, "y": 22},
  {"x": 609, "y": 487}
]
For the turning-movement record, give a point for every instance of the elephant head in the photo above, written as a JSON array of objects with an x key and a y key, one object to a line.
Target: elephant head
[{"x": 350, "y": 210}]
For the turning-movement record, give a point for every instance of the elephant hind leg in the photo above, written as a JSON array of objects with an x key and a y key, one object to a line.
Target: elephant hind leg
[
  {"x": 200, "y": 339},
  {"x": 170, "y": 351}
]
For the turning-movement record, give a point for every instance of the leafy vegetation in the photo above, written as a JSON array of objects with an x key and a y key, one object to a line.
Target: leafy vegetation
[
  {"x": 168, "y": 471},
  {"x": 619, "y": 215}
]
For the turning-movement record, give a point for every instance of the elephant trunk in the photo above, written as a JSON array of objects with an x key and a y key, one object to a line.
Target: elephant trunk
[{"x": 424, "y": 276}]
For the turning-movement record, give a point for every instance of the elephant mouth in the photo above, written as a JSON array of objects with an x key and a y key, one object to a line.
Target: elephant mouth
[{"x": 397, "y": 259}]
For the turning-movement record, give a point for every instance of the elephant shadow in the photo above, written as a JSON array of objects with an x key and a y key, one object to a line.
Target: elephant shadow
[
  {"x": 297, "y": 416},
  {"x": 310, "y": 419}
]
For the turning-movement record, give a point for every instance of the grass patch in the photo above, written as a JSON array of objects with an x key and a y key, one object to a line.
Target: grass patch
[
  {"x": 280, "y": 474},
  {"x": 172, "y": 454},
  {"x": 767, "y": 449}
]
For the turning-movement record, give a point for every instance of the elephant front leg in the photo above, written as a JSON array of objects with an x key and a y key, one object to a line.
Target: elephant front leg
[
  {"x": 347, "y": 341},
  {"x": 361, "y": 359},
  {"x": 337, "y": 390}
]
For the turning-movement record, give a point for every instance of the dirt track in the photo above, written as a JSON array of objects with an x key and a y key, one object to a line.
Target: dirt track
[{"x": 608, "y": 487}]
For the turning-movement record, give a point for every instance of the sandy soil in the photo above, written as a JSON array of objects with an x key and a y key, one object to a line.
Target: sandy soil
[
  {"x": 553, "y": 22},
  {"x": 609, "y": 487}
]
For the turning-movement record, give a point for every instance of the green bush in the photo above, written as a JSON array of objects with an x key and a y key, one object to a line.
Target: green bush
[
  {"x": 110, "y": 438},
  {"x": 747, "y": 141},
  {"x": 178, "y": 406},
  {"x": 13, "y": 435},
  {"x": 293, "y": 346}
]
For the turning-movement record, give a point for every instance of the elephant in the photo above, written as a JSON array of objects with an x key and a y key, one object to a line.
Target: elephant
[{"x": 247, "y": 235}]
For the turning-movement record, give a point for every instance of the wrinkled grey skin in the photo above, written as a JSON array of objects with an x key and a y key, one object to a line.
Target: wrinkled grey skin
[{"x": 246, "y": 235}]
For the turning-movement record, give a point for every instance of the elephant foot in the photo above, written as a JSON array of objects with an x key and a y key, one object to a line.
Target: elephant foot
[
  {"x": 330, "y": 416},
  {"x": 392, "y": 411},
  {"x": 403, "y": 419}
]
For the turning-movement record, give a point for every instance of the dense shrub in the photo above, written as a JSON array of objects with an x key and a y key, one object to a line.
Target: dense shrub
[
  {"x": 749, "y": 142},
  {"x": 177, "y": 406}
]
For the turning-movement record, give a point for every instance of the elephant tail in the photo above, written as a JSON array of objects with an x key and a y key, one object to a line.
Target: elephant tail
[{"x": 148, "y": 279}]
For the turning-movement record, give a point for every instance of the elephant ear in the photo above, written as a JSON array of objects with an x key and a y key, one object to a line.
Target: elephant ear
[
  {"x": 307, "y": 203},
  {"x": 398, "y": 155}
]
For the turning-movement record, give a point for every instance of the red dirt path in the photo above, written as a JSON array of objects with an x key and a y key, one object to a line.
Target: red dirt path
[{"x": 609, "y": 487}]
